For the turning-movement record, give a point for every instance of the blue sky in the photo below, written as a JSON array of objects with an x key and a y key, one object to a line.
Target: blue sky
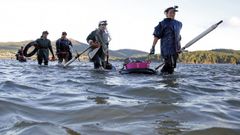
[{"x": 131, "y": 22}]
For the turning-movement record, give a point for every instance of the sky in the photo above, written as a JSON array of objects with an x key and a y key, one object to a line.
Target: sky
[{"x": 131, "y": 22}]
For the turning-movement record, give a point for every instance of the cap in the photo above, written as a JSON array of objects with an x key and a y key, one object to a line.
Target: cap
[
  {"x": 170, "y": 8},
  {"x": 64, "y": 33},
  {"x": 102, "y": 23},
  {"x": 45, "y": 32}
]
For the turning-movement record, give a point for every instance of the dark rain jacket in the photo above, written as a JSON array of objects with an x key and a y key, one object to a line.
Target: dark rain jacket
[
  {"x": 168, "y": 31},
  {"x": 63, "y": 45}
]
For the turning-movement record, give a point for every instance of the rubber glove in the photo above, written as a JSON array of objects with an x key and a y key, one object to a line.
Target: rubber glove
[{"x": 152, "y": 51}]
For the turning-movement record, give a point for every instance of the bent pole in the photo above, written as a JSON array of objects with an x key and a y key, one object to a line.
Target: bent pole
[
  {"x": 204, "y": 33},
  {"x": 73, "y": 59}
]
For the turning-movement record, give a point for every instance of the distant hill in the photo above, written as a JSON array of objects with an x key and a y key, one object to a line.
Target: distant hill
[
  {"x": 7, "y": 50},
  {"x": 211, "y": 57},
  {"x": 12, "y": 45},
  {"x": 125, "y": 53},
  {"x": 205, "y": 57},
  {"x": 121, "y": 54},
  {"x": 77, "y": 46},
  {"x": 229, "y": 51}
]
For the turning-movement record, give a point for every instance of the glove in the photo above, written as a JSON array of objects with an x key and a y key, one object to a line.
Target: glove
[
  {"x": 95, "y": 45},
  {"x": 179, "y": 51},
  {"x": 152, "y": 51},
  {"x": 53, "y": 58}
]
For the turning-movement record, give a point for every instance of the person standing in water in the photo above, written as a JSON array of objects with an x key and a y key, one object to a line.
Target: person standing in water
[
  {"x": 20, "y": 56},
  {"x": 44, "y": 45},
  {"x": 63, "y": 48},
  {"x": 168, "y": 31},
  {"x": 99, "y": 40}
]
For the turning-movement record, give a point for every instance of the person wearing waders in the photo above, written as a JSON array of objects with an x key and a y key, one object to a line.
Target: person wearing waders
[
  {"x": 44, "y": 45},
  {"x": 168, "y": 30},
  {"x": 99, "y": 40},
  {"x": 19, "y": 55},
  {"x": 63, "y": 48}
]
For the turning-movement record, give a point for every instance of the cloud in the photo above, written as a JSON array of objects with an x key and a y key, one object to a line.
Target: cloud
[{"x": 234, "y": 21}]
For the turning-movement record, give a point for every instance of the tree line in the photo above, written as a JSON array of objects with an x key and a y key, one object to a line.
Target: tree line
[
  {"x": 205, "y": 57},
  {"x": 210, "y": 57}
]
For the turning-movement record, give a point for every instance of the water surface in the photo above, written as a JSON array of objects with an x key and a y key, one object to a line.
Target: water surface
[{"x": 196, "y": 100}]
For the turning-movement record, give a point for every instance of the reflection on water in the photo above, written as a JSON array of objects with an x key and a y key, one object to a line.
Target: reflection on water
[
  {"x": 170, "y": 81},
  {"x": 196, "y": 100},
  {"x": 99, "y": 100},
  {"x": 169, "y": 127}
]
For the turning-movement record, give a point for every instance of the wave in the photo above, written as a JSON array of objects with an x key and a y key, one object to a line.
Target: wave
[
  {"x": 28, "y": 127},
  {"x": 197, "y": 99}
]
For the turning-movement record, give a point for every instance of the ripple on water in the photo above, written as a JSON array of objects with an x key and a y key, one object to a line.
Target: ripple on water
[{"x": 197, "y": 99}]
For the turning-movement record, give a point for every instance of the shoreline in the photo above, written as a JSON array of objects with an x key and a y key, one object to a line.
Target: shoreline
[
  {"x": 87, "y": 60},
  {"x": 199, "y": 57}
]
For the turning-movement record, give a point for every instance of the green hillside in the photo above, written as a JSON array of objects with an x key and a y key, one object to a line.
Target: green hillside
[
  {"x": 211, "y": 57},
  {"x": 205, "y": 57},
  {"x": 7, "y": 50}
]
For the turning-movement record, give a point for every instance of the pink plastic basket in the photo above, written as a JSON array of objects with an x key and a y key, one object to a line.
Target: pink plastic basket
[{"x": 138, "y": 65}]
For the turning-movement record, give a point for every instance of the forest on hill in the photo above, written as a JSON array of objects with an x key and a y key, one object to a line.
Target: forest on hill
[{"x": 8, "y": 50}]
